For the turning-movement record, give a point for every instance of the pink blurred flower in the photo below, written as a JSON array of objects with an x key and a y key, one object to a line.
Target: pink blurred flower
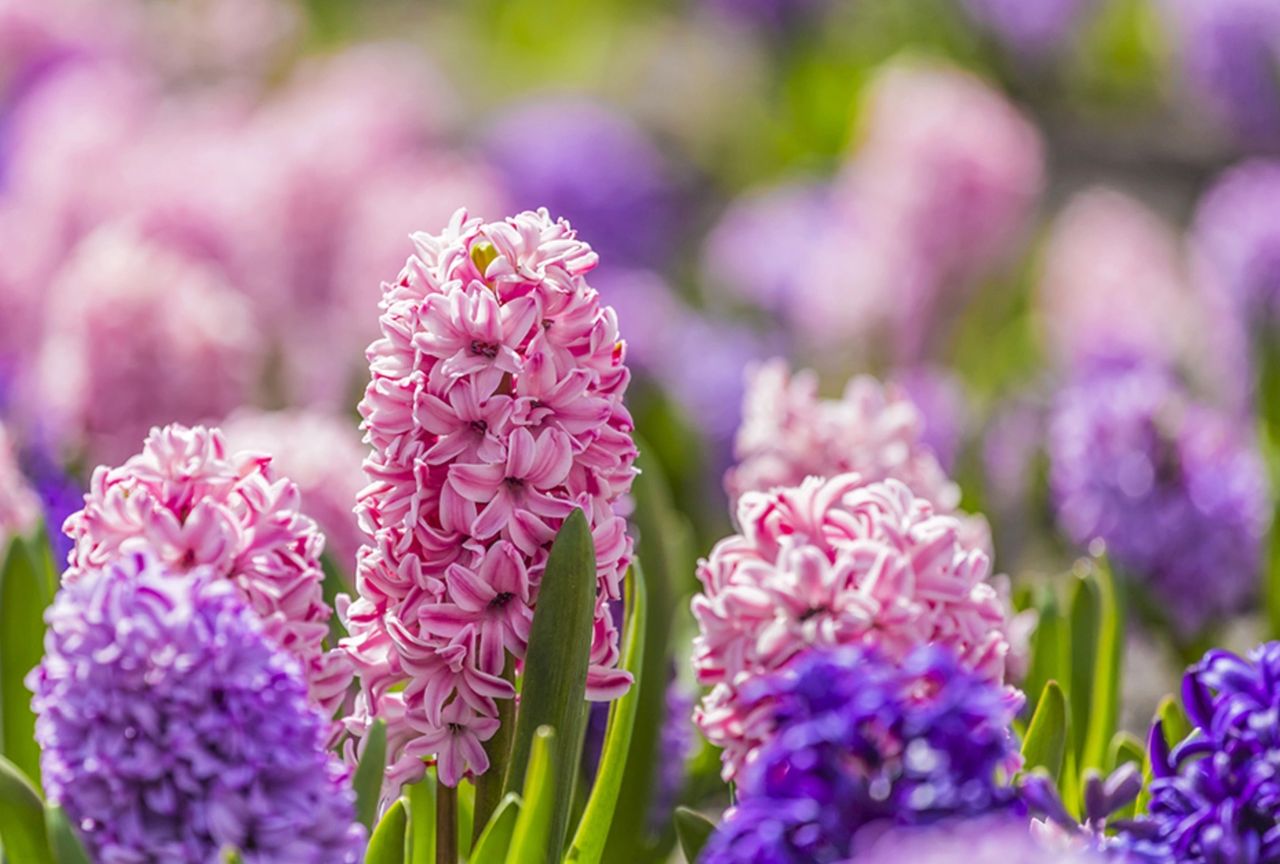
[
  {"x": 137, "y": 335},
  {"x": 19, "y": 506},
  {"x": 834, "y": 562},
  {"x": 1113, "y": 283},
  {"x": 192, "y": 503},
  {"x": 788, "y": 433},
  {"x": 202, "y": 39},
  {"x": 495, "y": 410},
  {"x": 322, "y": 454}
]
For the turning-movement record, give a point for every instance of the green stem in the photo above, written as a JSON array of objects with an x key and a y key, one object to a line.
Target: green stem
[
  {"x": 498, "y": 748},
  {"x": 446, "y": 824}
]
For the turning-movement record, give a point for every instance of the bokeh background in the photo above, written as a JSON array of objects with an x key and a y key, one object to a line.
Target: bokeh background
[{"x": 1051, "y": 226}]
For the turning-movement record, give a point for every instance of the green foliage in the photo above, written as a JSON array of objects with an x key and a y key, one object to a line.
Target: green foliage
[
  {"x": 420, "y": 832},
  {"x": 694, "y": 830},
  {"x": 24, "y": 594},
  {"x": 495, "y": 840},
  {"x": 1046, "y": 743},
  {"x": 368, "y": 777},
  {"x": 22, "y": 826},
  {"x": 532, "y": 840},
  {"x": 63, "y": 840},
  {"x": 387, "y": 843},
  {"x": 1104, "y": 709}
]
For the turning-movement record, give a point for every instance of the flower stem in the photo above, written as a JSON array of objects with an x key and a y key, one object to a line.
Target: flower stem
[
  {"x": 498, "y": 748},
  {"x": 446, "y": 824}
]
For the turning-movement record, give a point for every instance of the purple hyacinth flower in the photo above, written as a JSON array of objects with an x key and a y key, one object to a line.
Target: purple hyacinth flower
[
  {"x": 1237, "y": 236},
  {"x": 1028, "y": 28},
  {"x": 1175, "y": 489},
  {"x": 172, "y": 727},
  {"x": 861, "y": 742},
  {"x": 1215, "y": 796}
]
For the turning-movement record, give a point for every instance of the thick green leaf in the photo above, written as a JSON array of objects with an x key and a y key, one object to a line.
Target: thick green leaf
[
  {"x": 1046, "y": 743},
  {"x": 593, "y": 830},
  {"x": 386, "y": 845},
  {"x": 1126, "y": 748},
  {"x": 23, "y": 598},
  {"x": 694, "y": 830},
  {"x": 1104, "y": 706},
  {"x": 491, "y": 847},
  {"x": 369, "y": 773},
  {"x": 531, "y": 837},
  {"x": 22, "y": 829},
  {"x": 63, "y": 840},
  {"x": 1084, "y": 614},
  {"x": 1049, "y": 660},
  {"x": 420, "y": 840},
  {"x": 661, "y": 546},
  {"x": 554, "y": 683},
  {"x": 334, "y": 583}
]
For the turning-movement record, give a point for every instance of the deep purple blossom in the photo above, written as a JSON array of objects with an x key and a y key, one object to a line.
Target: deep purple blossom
[
  {"x": 1215, "y": 796},
  {"x": 1176, "y": 490},
  {"x": 863, "y": 742},
  {"x": 171, "y": 726}
]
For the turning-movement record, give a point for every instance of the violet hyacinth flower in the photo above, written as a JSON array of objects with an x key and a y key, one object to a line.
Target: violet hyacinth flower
[
  {"x": 1028, "y": 29},
  {"x": 860, "y": 740},
  {"x": 1215, "y": 796},
  {"x": 494, "y": 411},
  {"x": 191, "y": 503},
  {"x": 1237, "y": 234},
  {"x": 596, "y": 168},
  {"x": 834, "y": 562},
  {"x": 1176, "y": 490},
  {"x": 999, "y": 839},
  {"x": 172, "y": 725}
]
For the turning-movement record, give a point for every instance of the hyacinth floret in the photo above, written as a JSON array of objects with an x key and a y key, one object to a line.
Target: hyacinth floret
[
  {"x": 861, "y": 740},
  {"x": 1215, "y": 796},
  {"x": 834, "y": 562},
  {"x": 172, "y": 725},
  {"x": 192, "y": 503},
  {"x": 494, "y": 410}
]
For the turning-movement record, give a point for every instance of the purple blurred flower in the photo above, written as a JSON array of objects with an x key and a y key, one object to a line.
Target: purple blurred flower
[
  {"x": 1230, "y": 51},
  {"x": 1237, "y": 234},
  {"x": 939, "y": 395},
  {"x": 770, "y": 16},
  {"x": 1176, "y": 491},
  {"x": 1028, "y": 28},
  {"x": 861, "y": 741},
  {"x": 675, "y": 745},
  {"x": 988, "y": 840},
  {"x": 172, "y": 727},
  {"x": 751, "y": 253},
  {"x": 593, "y": 166},
  {"x": 1216, "y": 796}
]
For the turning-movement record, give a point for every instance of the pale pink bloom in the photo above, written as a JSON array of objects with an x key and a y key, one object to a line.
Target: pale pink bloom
[
  {"x": 494, "y": 411},
  {"x": 191, "y": 503},
  {"x": 19, "y": 506},
  {"x": 138, "y": 335},
  {"x": 202, "y": 39},
  {"x": 321, "y": 453},
  {"x": 834, "y": 562},
  {"x": 1113, "y": 283}
]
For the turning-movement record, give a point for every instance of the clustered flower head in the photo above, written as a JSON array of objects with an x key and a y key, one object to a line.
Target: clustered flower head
[
  {"x": 863, "y": 740},
  {"x": 172, "y": 725},
  {"x": 1215, "y": 796},
  {"x": 321, "y": 453},
  {"x": 788, "y": 433},
  {"x": 1174, "y": 489},
  {"x": 192, "y": 504},
  {"x": 494, "y": 411},
  {"x": 834, "y": 562},
  {"x": 19, "y": 506}
]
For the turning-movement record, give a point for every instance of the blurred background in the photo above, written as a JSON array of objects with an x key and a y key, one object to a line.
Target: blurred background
[{"x": 1051, "y": 225}]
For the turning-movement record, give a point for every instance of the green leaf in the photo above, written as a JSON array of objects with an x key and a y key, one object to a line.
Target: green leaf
[
  {"x": 420, "y": 840},
  {"x": 1049, "y": 661},
  {"x": 386, "y": 845},
  {"x": 1046, "y": 743},
  {"x": 694, "y": 830},
  {"x": 554, "y": 683},
  {"x": 593, "y": 830},
  {"x": 530, "y": 839},
  {"x": 1104, "y": 707},
  {"x": 334, "y": 583},
  {"x": 1084, "y": 612},
  {"x": 65, "y": 843},
  {"x": 369, "y": 773},
  {"x": 1126, "y": 748},
  {"x": 494, "y": 841},
  {"x": 23, "y": 598},
  {"x": 22, "y": 829}
]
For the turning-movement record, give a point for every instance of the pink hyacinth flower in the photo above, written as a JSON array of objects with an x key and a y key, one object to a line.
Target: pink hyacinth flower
[
  {"x": 19, "y": 506},
  {"x": 186, "y": 499},
  {"x": 834, "y": 562},
  {"x": 494, "y": 410}
]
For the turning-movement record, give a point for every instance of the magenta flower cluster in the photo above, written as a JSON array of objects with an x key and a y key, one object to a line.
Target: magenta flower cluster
[
  {"x": 189, "y": 502},
  {"x": 494, "y": 411},
  {"x": 172, "y": 725},
  {"x": 834, "y": 562}
]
